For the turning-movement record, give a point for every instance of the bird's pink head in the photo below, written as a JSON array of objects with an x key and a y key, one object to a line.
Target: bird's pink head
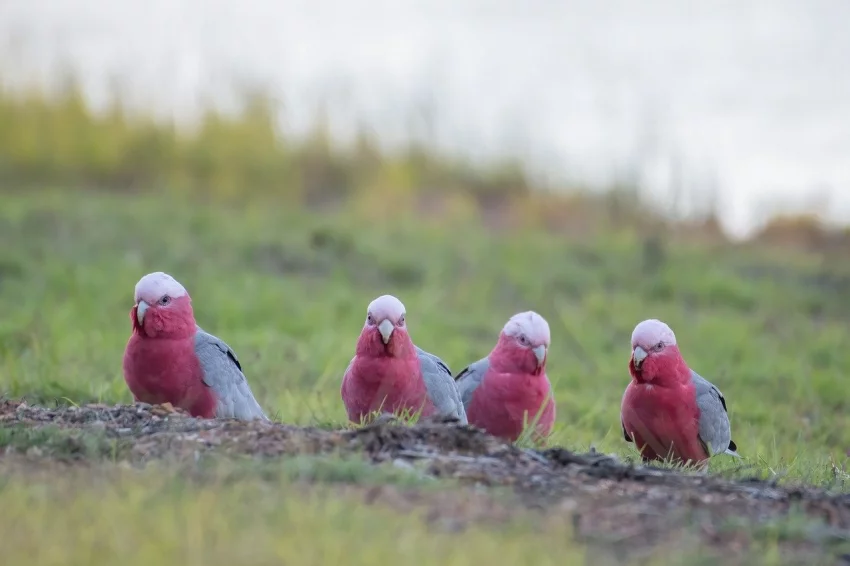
[
  {"x": 385, "y": 330},
  {"x": 523, "y": 345},
  {"x": 655, "y": 355},
  {"x": 163, "y": 308}
]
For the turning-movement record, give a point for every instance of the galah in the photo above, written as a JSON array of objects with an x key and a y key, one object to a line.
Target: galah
[
  {"x": 669, "y": 411},
  {"x": 508, "y": 390},
  {"x": 170, "y": 359},
  {"x": 389, "y": 374}
]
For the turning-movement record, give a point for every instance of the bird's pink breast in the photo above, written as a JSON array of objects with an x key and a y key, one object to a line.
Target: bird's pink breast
[
  {"x": 504, "y": 402},
  {"x": 167, "y": 371},
  {"x": 664, "y": 421},
  {"x": 386, "y": 384}
]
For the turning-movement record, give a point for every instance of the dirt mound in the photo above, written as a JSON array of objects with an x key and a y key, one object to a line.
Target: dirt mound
[{"x": 607, "y": 499}]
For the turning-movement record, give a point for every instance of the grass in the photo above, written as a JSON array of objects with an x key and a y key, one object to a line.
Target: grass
[
  {"x": 223, "y": 515},
  {"x": 158, "y": 517},
  {"x": 287, "y": 289},
  {"x": 282, "y": 243},
  {"x": 62, "y": 444},
  {"x": 796, "y": 526},
  {"x": 54, "y": 136},
  {"x": 220, "y": 513}
]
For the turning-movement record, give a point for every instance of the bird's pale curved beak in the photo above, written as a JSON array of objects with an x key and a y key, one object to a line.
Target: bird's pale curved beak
[
  {"x": 386, "y": 329},
  {"x": 638, "y": 356},
  {"x": 140, "y": 311},
  {"x": 540, "y": 354}
]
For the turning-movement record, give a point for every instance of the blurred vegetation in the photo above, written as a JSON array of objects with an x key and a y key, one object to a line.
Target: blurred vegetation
[
  {"x": 56, "y": 138},
  {"x": 236, "y": 202},
  {"x": 282, "y": 243},
  {"x": 287, "y": 290},
  {"x": 218, "y": 513}
]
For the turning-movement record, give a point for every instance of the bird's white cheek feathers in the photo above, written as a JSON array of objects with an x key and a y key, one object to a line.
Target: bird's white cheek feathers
[
  {"x": 539, "y": 353},
  {"x": 386, "y": 329},
  {"x": 140, "y": 311}
]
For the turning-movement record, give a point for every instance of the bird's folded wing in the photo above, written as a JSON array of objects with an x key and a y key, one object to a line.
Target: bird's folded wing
[
  {"x": 714, "y": 429},
  {"x": 440, "y": 386},
  {"x": 470, "y": 378},
  {"x": 223, "y": 373}
]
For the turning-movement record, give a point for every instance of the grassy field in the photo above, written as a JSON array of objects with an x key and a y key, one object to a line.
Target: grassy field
[
  {"x": 160, "y": 517},
  {"x": 287, "y": 289}
]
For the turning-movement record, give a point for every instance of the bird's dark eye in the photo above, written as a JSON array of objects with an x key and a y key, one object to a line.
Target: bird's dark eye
[
  {"x": 369, "y": 319},
  {"x": 523, "y": 340},
  {"x": 401, "y": 321},
  {"x": 659, "y": 346},
  {"x": 165, "y": 300}
]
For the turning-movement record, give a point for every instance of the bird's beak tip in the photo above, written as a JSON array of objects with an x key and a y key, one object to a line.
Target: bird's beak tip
[
  {"x": 386, "y": 329},
  {"x": 540, "y": 354},
  {"x": 141, "y": 307},
  {"x": 638, "y": 356}
]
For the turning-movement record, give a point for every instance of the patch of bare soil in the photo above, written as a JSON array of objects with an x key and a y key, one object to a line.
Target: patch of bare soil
[{"x": 623, "y": 508}]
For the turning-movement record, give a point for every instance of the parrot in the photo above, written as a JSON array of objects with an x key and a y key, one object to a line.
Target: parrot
[
  {"x": 389, "y": 374},
  {"x": 668, "y": 410},
  {"x": 509, "y": 388},
  {"x": 170, "y": 359}
]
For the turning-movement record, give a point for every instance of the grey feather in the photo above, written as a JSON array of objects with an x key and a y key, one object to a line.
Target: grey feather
[
  {"x": 470, "y": 378},
  {"x": 223, "y": 373},
  {"x": 714, "y": 428},
  {"x": 440, "y": 386}
]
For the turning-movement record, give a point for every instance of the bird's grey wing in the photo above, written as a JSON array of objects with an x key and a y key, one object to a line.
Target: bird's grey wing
[
  {"x": 420, "y": 352},
  {"x": 440, "y": 386},
  {"x": 714, "y": 429},
  {"x": 223, "y": 373},
  {"x": 470, "y": 378}
]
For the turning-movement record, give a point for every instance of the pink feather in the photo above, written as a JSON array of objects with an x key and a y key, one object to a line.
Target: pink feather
[
  {"x": 512, "y": 392},
  {"x": 386, "y": 378},
  {"x": 659, "y": 408},
  {"x": 160, "y": 364}
]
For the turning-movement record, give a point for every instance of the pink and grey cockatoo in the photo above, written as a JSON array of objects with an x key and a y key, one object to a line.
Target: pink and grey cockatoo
[
  {"x": 668, "y": 410},
  {"x": 509, "y": 389},
  {"x": 169, "y": 359},
  {"x": 390, "y": 375}
]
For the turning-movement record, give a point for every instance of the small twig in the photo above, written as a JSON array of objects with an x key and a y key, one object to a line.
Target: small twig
[{"x": 534, "y": 455}]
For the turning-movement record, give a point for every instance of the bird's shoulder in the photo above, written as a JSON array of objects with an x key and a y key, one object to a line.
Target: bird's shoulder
[
  {"x": 215, "y": 352},
  {"x": 707, "y": 390},
  {"x": 474, "y": 372},
  {"x": 431, "y": 363}
]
